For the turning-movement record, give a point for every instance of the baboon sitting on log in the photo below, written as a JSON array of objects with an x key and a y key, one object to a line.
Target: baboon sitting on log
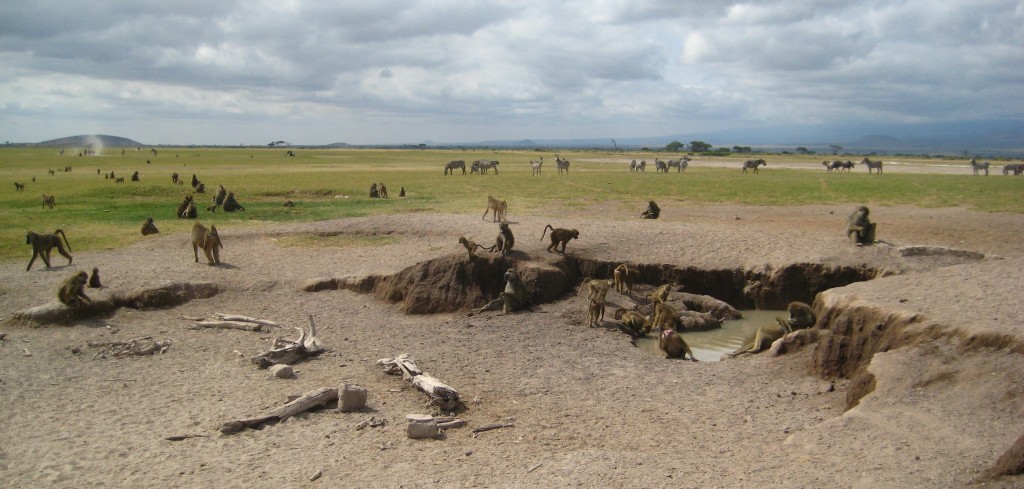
[
  {"x": 859, "y": 229},
  {"x": 71, "y": 293},
  {"x": 513, "y": 297},
  {"x": 42, "y": 244}
]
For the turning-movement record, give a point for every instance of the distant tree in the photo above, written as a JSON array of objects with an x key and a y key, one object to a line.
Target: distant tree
[
  {"x": 699, "y": 147},
  {"x": 741, "y": 149},
  {"x": 802, "y": 150},
  {"x": 674, "y": 146},
  {"x": 835, "y": 149}
]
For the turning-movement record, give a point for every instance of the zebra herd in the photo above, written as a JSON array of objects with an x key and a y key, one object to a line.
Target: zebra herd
[{"x": 478, "y": 166}]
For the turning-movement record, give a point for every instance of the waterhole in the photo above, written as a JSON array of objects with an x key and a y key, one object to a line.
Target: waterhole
[{"x": 709, "y": 346}]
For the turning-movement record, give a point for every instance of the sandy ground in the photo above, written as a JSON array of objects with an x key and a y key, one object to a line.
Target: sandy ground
[{"x": 588, "y": 409}]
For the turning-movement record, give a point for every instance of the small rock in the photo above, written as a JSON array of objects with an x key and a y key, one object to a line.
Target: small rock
[
  {"x": 352, "y": 398},
  {"x": 421, "y": 426},
  {"x": 281, "y": 371}
]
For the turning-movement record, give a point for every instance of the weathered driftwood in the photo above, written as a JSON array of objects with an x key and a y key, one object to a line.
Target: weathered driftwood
[
  {"x": 291, "y": 352},
  {"x": 244, "y": 326},
  {"x": 705, "y": 303},
  {"x": 164, "y": 295},
  {"x": 301, "y": 404},
  {"x": 490, "y": 427},
  {"x": 135, "y": 347},
  {"x": 244, "y": 319},
  {"x": 184, "y": 437},
  {"x": 698, "y": 321},
  {"x": 440, "y": 394}
]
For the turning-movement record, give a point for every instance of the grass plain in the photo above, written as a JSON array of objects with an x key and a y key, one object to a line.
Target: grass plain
[{"x": 97, "y": 213}]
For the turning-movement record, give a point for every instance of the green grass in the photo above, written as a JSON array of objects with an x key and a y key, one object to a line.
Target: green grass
[{"x": 96, "y": 213}]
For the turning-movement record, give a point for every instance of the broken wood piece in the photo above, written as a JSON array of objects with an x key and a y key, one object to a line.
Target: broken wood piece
[
  {"x": 184, "y": 437},
  {"x": 258, "y": 328},
  {"x": 421, "y": 426},
  {"x": 245, "y": 319},
  {"x": 301, "y": 404},
  {"x": 535, "y": 467},
  {"x": 291, "y": 352},
  {"x": 455, "y": 423},
  {"x": 402, "y": 364},
  {"x": 101, "y": 344},
  {"x": 440, "y": 394},
  {"x": 316, "y": 475},
  {"x": 490, "y": 427}
]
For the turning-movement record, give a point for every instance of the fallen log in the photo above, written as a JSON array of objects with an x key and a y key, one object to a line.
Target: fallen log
[
  {"x": 227, "y": 324},
  {"x": 440, "y": 394},
  {"x": 301, "y": 404},
  {"x": 245, "y": 319},
  {"x": 291, "y": 352}
]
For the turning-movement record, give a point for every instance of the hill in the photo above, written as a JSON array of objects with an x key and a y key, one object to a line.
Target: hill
[{"x": 92, "y": 141}]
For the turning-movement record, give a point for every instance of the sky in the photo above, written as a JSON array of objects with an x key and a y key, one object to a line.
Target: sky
[{"x": 406, "y": 72}]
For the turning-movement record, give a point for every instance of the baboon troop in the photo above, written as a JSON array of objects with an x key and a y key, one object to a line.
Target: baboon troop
[
  {"x": 94, "y": 279},
  {"x": 208, "y": 240},
  {"x": 19, "y": 187},
  {"x": 71, "y": 292},
  {"x": 455, "y": 165},
  {"x": 753, "y": 164},
  {"x": 48, "y": 200},
  {"x": 859, "y": 228},
  {"x": 471, "y": 246},
  {"x": 504, "y": 241},
  {"x": 559, "y": 235},
  {"x": 652, "y": 211},
  {"x": 42, "y": 244},
  {"x": 512, "y": 298},
  {"x": 498, "y": 208},
  {"x": 148, "y": 227},
  {"x": 624, "y": 277}
]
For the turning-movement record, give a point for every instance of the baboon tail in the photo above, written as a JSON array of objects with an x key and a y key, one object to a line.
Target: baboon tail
[
  {"x": 65, "y": 238},
  {"x": 546, "y": 231}
]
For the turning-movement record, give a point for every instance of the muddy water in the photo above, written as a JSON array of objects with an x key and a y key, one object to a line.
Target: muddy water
[{"x": 709, "y": 346}]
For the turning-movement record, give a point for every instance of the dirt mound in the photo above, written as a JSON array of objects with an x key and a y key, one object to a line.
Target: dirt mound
[{"x": 166, "y": 295}]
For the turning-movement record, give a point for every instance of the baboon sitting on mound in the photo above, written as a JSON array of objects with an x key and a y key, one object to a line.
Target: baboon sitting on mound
[
  {"x": 513, "y": 297},
  {"x": 652, "y": 212},
  {"x": 70, "y": 292}
]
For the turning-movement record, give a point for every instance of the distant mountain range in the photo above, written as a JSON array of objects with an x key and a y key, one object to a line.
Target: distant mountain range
[{"x": 91, "y": 141}]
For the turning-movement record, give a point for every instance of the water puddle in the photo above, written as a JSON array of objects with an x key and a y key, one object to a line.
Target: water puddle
[{"x": 709, "y": 346}]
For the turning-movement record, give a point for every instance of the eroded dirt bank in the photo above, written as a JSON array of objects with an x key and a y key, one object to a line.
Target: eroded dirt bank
[{"x": 589, "y": 409}]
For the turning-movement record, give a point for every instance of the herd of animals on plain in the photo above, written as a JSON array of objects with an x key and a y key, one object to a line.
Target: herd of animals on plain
[{"x": 661, "y": 317}]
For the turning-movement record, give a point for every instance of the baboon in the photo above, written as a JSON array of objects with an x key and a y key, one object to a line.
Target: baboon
[
  {"x": 753, "y": 164},
  {"x": 111, "y": 175},
  {"x": 513, "y": 297},
  {"x": 97, "y": 171},
  {"x": 195, "y": 180},
  {"x": 71, "y": 293},
  {"x": 186, "y": 209},
  {"x": 208, "y": 240},
  {"x": 761, "y": 339},
  {"x": 94, "y": 279},
  {"x": 119, "y": 180},
  {"x": 51, "y": 172},
  {"x": 665, "y": 316},
  {"x": 595, "y": 313},
  {"x": 383, "y": 191},
  {"x": 174, "y": 177},
  {"x": 48, "y": 200},
  {"x": 635, "y": 324},
  {"x": 33, "y": 179},
  {"x": 652, "y": 212},
  {"x": 401, "y": 192},
  {"x": 212, "y": 208},
  {"x": 20, "y": 187},
  {"x": 148, "y": 227},
  {"x": 374, "y": 193},
  {"x": 289, "y": 203},
  {"x": 201, "y": 188},
  {"x": 623, "y": 276},
  {"x": 674, "y": 346},
  {"x": 42, "y": 244},
  {"x": 470, "y": 245},
  {"x": 504, "y": 241},
  {"x": 498, "y": 208},
  {"x": 559, "y": 235},
  {"x": 135, "y": 176},
  {"x": 800, "y": 317},
  {"x": 221, "y": 194},
  {"x": 597, "y": 298},
  {"x": 232, "y": 205},
  {"x": 859, "y": 229},
  {"x": 660, "y": 294}
]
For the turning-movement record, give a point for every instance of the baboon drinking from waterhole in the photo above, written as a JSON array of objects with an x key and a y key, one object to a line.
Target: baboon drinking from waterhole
[
  {"x": 470, "y": 245},
  {"x": 559, "y": 235},
  {"x": 208, "y": 240},
  {"x": 94, "y": 279},
  {"x": 762, "y": 338},
  {"x": 504, "y": 241},
  {"x": 635, "y": 324},
  {"x": 672, "y": 344},
  {"x": 859, "y": 229},
  {"x": 513, "y": 297},
  {"x": 148, "y": 227},
  {"x": 652, "y": 211},
  {"x": 42, "y": 244},
  {"x": 71, "y": 293}
]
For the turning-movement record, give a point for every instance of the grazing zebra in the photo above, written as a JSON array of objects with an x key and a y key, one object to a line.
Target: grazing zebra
[
  {"x": 642, "y": 165},
  {"x": 454, "y": 165},
  {"x": 536, "y": 165},
  {"x": 979, "y": 166},
  {"x": 753, "y": 164},
  {"x": 872, "y": 165},
  {"x": 484, "y": 165},
  {"x": 632, "y": 165},
  {"x": 848, "y": 166},
  {"x": 831, "y": 165},
  {"x": 562, "y": 164},
  {"x": 660, "y": 166},
  {"x": 680, "y": 164},
  {"x": 1016, "y": 168}
]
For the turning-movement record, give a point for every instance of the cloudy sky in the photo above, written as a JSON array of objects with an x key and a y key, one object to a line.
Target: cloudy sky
[{"x": 403, "y": 71}]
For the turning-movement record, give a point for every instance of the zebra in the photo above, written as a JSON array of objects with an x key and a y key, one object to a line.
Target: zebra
[
  {"x": 660, "y": 166},
  {"x": 536, "y": 165},
  {"x": 680, "y": 164},
  {"x": 979, "y": 166},
  {"x": 641, "y": 166},
  {"x": 1016, "y": 168},
  {"x": 848, "y": 166},
  {"x": 872, "y": 165},
  {"x": 454, "y": 165},
  {"x": 562, "y": 164},
  {"x": 484, "y": 165},
  {"x": 753, "y": 164}
]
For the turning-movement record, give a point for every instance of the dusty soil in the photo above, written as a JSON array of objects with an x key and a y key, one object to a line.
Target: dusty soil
[{"x": 944, "y": 400}]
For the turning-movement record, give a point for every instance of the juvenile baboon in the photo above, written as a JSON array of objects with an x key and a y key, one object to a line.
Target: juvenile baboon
[
  {"x": 401, "y": 192},
  {"x": 374, "y": 193},
  {"x": 597, "y": 298},
  {"x": 761, "y": 339},
  {"x": 673, "y": 345},
  {"x": 221, "y": 194},
  {"x": 513, "y": 297},
  {"x": 94, "y": 279},
  {"x": 42, "y": 244},
  {"x": 51, "y": 172},
  {"x": 383, "y": 191},
  {"x": 208, "y": 240},
  {"x": 595, "y": 313},
  {"x": 135, "y": 176},
  {"x": 20, "y": 187},
  {"x": 174, "y": 177},
  {"x": 201, "y": 188},
  {"x": 48, "y": 200},
  {"x": 559, "y": 235},
  {"x": 800, "y": 317},
  {"x": 470, "y": 246},
  {"x": 71, "y": 292},
  {"x": 635, "y": 324},
  {"x": 859, "y": 228},
  {"x": 184, "y": 206},
  {"x": 212, "y": 208},
  {"x": 497, "y": 207},
  {"x": 148, "y": 227},
  {"x": 119, "y": 180},
  {"x": 623, "y": 276},
  {"x": 111, "y": 174},
  {"x": 504, "y": 241},
  {"x": 652, "y": 211},
  {"x": 660, "y": 294},
  {"x": 232, "y": 205},
  {"x": 190, "y": 211}
]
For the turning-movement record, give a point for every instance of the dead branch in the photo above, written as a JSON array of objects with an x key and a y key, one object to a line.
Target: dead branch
[
  {"x": 245, "y": 319},
  {"x": 290, "y": 352},
  {"x": 226, "y": 324},
  {"x": 131, "y": 342},
  {"x": 440, "y": 394},
  {"x": 490, "y": 427},
  {"x": 301, "y": 404},
  {"x": 135, "y": 347},
  {"x": 184, "y": 437}
]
